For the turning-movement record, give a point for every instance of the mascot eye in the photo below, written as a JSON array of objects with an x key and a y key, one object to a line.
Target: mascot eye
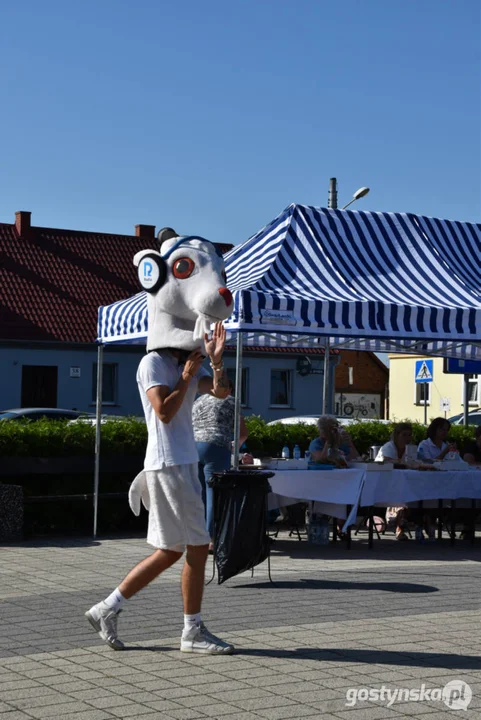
[
  {"x": 183, "y": 268},
  {"x": 224, "y": 276}
]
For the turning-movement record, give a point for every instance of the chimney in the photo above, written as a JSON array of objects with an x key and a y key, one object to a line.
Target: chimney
[
  {"x": 22, "y": 222},
  {"x": 147, "y": 231}
]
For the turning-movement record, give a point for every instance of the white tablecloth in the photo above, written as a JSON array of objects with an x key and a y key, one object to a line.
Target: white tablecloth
[
  {"x": 404, "y": 486},
  {"x": 333, "y": 489}
]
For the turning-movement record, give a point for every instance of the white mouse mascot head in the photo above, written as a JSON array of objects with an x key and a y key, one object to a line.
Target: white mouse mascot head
[{"x": 186, "y": 292}]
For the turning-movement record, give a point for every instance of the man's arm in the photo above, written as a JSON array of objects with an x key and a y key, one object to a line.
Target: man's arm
[
  {"x": 347, "y": 439},
  {"x": 317, "y": 455},
  {"x": 219, "y": 384},
  {"x": 166, "y": 402}
]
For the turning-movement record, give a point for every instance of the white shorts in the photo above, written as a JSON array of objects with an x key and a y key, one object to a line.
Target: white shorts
[{"x": 177, "y": 513}]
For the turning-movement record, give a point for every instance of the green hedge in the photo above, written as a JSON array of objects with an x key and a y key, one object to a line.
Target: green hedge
[
  {"x": 61, "y": 438},
  {"x": 128, "y": 437},
  {"x": 268, "y": 440}
]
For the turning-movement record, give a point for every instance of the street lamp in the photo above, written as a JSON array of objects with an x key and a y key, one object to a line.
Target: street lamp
[{"x": 362, "y": 192}]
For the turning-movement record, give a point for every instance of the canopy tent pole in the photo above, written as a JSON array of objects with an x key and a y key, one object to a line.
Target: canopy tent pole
[
  {"x": 325, "y": 388},
  {"x": 98, "y": 416},
  {"x": 466, "y": 399},
  {"x": 238, "y": 392}
]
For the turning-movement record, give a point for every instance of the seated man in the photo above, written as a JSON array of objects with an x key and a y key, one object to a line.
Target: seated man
[
  {"x": 472, "y": 454},
  {"x": 333, "y": 444},
  {"x": 332, "y": 439}
]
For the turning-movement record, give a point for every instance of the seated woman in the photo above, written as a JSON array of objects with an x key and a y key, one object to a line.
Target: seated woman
[
  {"x": 395, "y": 451},
  {"x": 396, "y": 448},
  {"x": 333, "y": 443},
  {"x": 472, "y": 454},
  {"x": 435, "y": 446}
]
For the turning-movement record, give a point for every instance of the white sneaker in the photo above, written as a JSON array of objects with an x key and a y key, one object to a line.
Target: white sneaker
[
  {"x": 200, "y": 640},
  {"x": 104, "y": 620}
]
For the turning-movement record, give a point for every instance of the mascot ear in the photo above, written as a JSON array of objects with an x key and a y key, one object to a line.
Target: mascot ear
[
  {"x": 151, "y": 270},
  {"x": 166, "y": 233}
]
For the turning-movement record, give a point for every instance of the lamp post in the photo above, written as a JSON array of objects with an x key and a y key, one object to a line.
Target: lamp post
[
  {"x": 332, "y": 203},
  {"x": 362, "y": 192}
]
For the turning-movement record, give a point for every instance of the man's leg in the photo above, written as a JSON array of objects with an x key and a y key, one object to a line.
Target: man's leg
[
  {"x": 193, "y": 578},
  {"x": 196, "y": 638},
  {"x": 103, "y": 616},
  {"x": 147, "y": 570}
]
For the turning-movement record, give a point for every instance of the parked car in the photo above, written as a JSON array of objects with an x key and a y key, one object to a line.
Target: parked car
[
  {"x": 92, "y": 420},
  {"x": 312, "y": 420},
  {"x": 307, "y": 419},
  {"x": 474, "y": 418},
  {"x": 39, "y": 413}
]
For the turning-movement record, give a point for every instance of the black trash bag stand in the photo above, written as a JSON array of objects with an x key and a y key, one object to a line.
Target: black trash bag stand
[{"x": 241, "y": 539}]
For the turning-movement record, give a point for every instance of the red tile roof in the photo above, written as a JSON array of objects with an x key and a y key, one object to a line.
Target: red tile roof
[{"x": 52, "y": 281}]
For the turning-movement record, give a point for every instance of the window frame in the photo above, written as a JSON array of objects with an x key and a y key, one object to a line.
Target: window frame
[
  {"x": 115, "y": 384},
  {"x": 289, "y": 393},
  {"x": 417, "y": 394},
  {"x": 474, "y": 379}
]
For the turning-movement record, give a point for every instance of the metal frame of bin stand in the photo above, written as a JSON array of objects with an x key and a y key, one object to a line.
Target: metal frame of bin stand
[{"x": 268, "y": 558}]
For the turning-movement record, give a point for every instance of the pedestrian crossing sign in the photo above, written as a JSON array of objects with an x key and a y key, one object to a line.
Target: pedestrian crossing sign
[{"x": 423, "y": 372}]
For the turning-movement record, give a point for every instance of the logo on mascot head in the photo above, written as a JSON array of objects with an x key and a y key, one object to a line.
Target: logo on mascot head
[{"x": 148, "y": 273}]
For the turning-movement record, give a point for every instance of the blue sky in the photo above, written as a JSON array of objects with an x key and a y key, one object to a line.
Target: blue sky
[{"x": 213, "y": 116}]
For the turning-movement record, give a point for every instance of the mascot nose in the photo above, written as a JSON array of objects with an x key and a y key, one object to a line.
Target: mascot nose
[{"x": 227, "y": 295}]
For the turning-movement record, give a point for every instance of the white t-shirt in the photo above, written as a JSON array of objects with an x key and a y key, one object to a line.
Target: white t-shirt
[
  {"x": 168, "y": 443},
  {"x": 430, "y": 450},
  {"x": 388, "y": 450}
]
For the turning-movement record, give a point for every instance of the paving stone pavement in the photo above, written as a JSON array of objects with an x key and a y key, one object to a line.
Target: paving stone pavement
[{"x": 336, "y": 622}]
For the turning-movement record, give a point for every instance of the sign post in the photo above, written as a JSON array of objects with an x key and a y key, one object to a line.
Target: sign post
[
  {"x": 445, "y": 405},
  {"x": 423, "y": 373}
]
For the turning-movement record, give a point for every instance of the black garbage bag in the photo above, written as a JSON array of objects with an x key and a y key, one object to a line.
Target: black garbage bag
[{"x": 240, "y": 520}]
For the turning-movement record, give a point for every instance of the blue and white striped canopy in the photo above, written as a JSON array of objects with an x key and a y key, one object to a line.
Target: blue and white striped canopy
[{"x": 371, "y": 281}]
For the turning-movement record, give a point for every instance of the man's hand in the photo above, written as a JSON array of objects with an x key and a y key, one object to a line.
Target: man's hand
[
  {"x": 192, "y": 364},
  {"x": 215, "y": 346}
]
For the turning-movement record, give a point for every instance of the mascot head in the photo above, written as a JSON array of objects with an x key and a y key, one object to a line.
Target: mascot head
[{"x": 186, "y": 292}]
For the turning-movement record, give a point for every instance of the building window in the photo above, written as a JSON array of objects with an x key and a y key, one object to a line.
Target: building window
[
  {"x": 109, "y": 383},
  {"x": 245, "y": 384},
  {"x": 473, "y": 390},
  {"x": 39, "y": 386},
  {"x": 423, "y": 390},
  {"x": 281, "y": 388}
]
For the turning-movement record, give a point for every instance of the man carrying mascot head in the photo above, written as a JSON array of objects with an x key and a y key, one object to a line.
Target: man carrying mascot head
[{"x": 186, "y": 293}]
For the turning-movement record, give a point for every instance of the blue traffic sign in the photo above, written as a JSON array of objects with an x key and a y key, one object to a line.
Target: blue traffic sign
[
  {"x": 423, "y": 371},
  {"x": 457, "y": 366}
]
